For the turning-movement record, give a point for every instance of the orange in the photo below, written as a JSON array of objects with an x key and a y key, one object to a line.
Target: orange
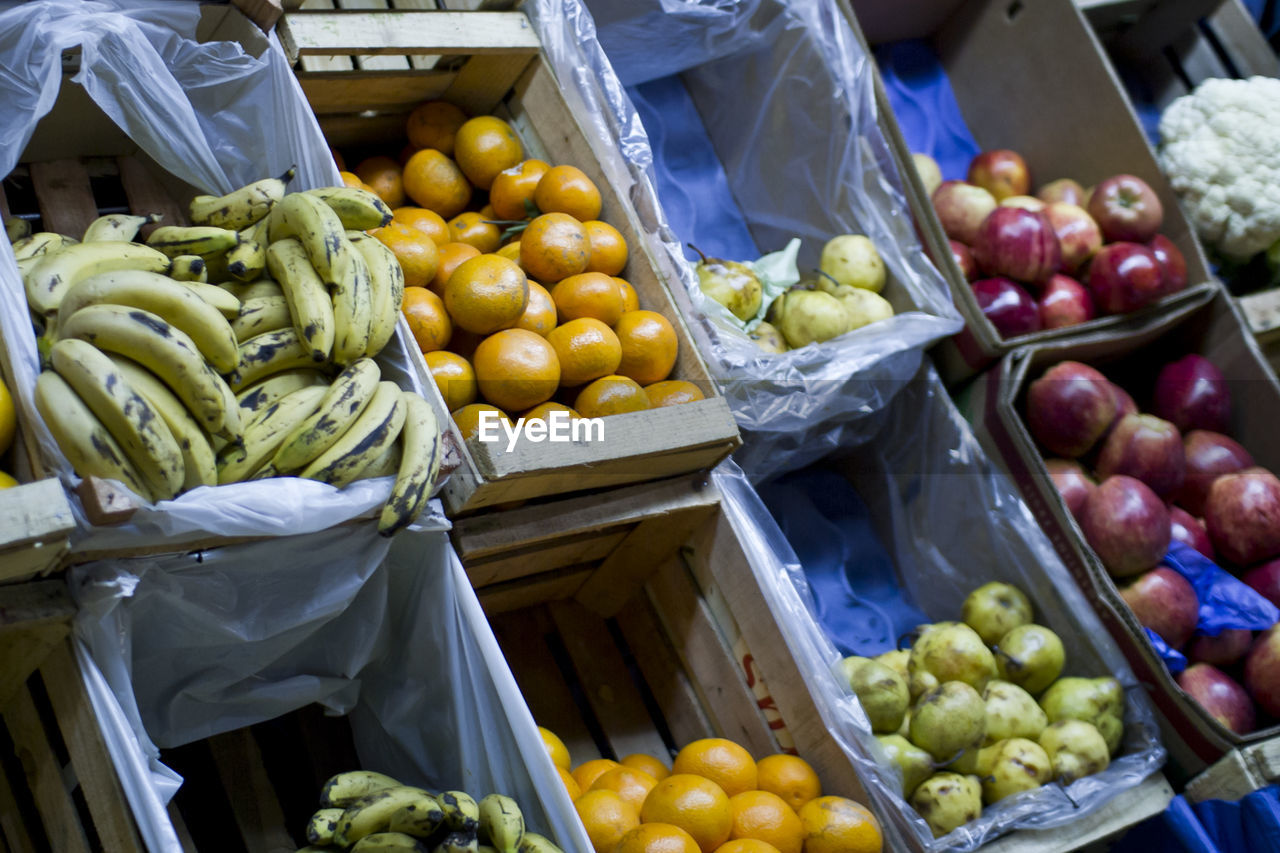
[
  {"x": 511, "y": 193},
  {"x": 588, "y": 294},
  {"x": 485, "y": 294},
  {"x": 630, "y": 301},
  {"x": 608, "y": 249},
  {"x": 451, "y": 255},
  {"x": 486, "y": 212},
  {"x": 383, "y": 175},
  {"x": 629, "y": 783},
  {"x": 468, "y": 418},
  {"x": 746, "y": 845},
  {"x": 427, "y": 221},
  {"x": 765, "y": 817},
  {"x": 588, "y": 771},
  {"x": 587, "y": 349},
  {"x": 722, "y": 761},
  {"x": 338, "y": 159},
  {"x": 569, "y": 784},
  {"x": 516, "y": 369},
  {"x": 540, "y": 314},
  {"x": 788, "y": 776},
  {"x": 435, "y": 182},
  {"x": 555, "y": 748},
  {"x": 672, "y": 392},
  {"x": 434, "y": 125},
  {"x": 510, "y": 251},
  {"x": 483, "y": 147},
  {"x": 554, "y": 246},
  {"x": 695, "y": 804},
  {"x": 607, "y": 817},
  {"x": 351, "y": 179},
  {"x": 471, "y": 228},
  {"x": 455, "y": 378},
  {"x": 610, "y": 395},
  {"x": 541, "y": 411},
  {"x": 648, "y": 764},
  {"x": 427, "y": 318},
  {"x": 837, "y": 825},
  {"x": 567, "y": 189},
  {"x": 648, "y": 346},
  {"x": 414, "y": 249},
  {"x": 657, "y": 838}
]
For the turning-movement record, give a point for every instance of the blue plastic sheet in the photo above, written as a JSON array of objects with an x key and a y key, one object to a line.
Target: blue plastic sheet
[
  {"x": 1225, "y": 601},
  {"x": 1251, "y": 824},
  {"x": 925, "y": 106},
  {"x": 1173, "y": 659}
]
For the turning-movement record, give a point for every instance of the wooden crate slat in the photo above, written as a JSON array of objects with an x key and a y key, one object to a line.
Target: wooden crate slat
[
  {"x": 44, "y": 775},
  {"x": 146, "y": 195},
  {"x": 1262, "y": 311},
  {"x": 370, "y": 62},
  {"x": 314, "y": 63},
  {"x": 1241, "y": 38},
  {"x": 357, "y": 91},
  {"x": 65, "y": 196},
  {"x": 34, "y": 618},
  {"x": 484, "y": 81},
  {"x": 13, "y": 831},
  {"x": 322, "y": 33},
  {"x": 253, "y": 798},
  {"x": 35, "y": 521},
  {"x": 344, "y": 130},
  {"x": 527, "y": 562},
  {"x": 548, "y": 586},
  {"x": 180, "y": 828}
]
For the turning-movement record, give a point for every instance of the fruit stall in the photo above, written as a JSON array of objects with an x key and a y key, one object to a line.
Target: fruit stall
[{"x": 639, "y": 426}]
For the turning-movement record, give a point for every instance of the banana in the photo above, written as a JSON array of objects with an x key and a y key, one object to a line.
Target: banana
[
  {"x": 175, "y": 302},
  {"x": 241, "y": 208},
  {"x": 264, "y": 434},
  {"x": 17, "y": 229},
  {"x": 198, "y": 463},
  {"x": 49, "y": 280},
  {"x": 419, "y": 818},
  {"x": 270, "y": 353},
  {"x": 252, "y": 290},
  {"x": 344, "y": 788},
  {"x": 485, "y": 848},
  {"x": 319, "y": 230},
  {"x": 309, "y": 300},
  {"x": 167, "y": 352},
  {"x": 352, "y": 308},
  {"x": 258, "y": 316},
  {"x": 40, "y": 243},
  {"x": 132, "y": 421},
  {"x": 117, "y": 228},
  {"x": 387, "y": 282},
  {"x": 421, "y": 450},
  {"x": 247, "y": 260},
  {"x": 535, "y": 843},
  {"x": 83, "y": 439},
  {"x": 176, "y": 240},
  {"x": 225, "y": 301},
  {"x": 357, "y": 209},
  {"x": 386, "y": 465},
  {"x": 461, "y": 813},
  {"x": 215, "y": 265},
  {"x": 377, "y": 427},
  {"x": 322, "y": 826},
  {"x": 458, "y": 842},
  {"x": 258, "y": 397},
  {"x": 189, "y": 268},
  {"x": 388, "y": 842},
  {"x": 342, "y": 405},
  {"x": 501, "y": 820},
  {"x": 371, "y": 813}
]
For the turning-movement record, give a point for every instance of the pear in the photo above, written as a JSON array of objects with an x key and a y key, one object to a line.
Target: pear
[
  {"x": 1030, "y": 656},
  {"x": 949, "y": 718},
  {"x": 862, "y": 306},
  {"x": 905, "y": 728},
  {"x": 947, "y": 801},
  {"x": 949, "y": 651},
  {"x": 734, "y": 285},
  {"x": 806, "y": 316},
  {"x": 976, "y": 761},
  {"x": 1097, "y": 701},
  {"x": 852, "y": 259},
  {"x": 1076, "y": 749},
  {"x": 881, "y": 692},
  {"x": 767, "y": 337},
  {"x": 913, "y": 762},
  {"x": 1011, "y": 712},
  {"x": 1018, "y": 765},
  {"x": 994, "y": 609},
  {"x": 896, "y": 660}
]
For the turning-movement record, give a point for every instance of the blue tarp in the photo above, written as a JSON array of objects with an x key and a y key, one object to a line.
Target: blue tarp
[{"x": 1216, "y": 826}]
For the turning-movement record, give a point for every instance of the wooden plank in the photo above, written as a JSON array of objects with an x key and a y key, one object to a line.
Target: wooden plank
[
  {"x": 264, "y": 13},
  {"x": 420, "y": 62},
  {"x": 1160, "y": 26},
  {"x": 35, "y": 521},
  {"x": 34, "y": 618},
  {"x": 535, "y": 559},
  {"x": 357, "y": 91},
  {"x": 484, "y": 81},
  {"x": 548, "y": 586},
  {"x": 253, "y": 799},
  {"x": 1124, "y": 810},
  {"x": 105, "y": 501},
  {"x": 65, "y": 196},
  {"x": 368, "y": 62},
  {"x": 13, "y": 829},
  {"x": 21, "y": 653},
  {"x": 44, "y": 775},
  {"x": 146, "y": 194},
  {"x": 1243, "y": 41},
  {"x": 311, "y": 63},
  {"x": 321, "y": 33},
  {"x": 1262, "y": 311},
  {"x": 180, "y": 828}
]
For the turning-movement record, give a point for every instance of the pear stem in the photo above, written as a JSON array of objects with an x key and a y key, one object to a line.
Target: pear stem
[
  {"x": 828, "y": 276},
  {"x": 699, "y": 251}
]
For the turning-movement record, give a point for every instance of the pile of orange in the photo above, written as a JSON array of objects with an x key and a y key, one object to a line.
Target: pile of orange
[
  {"x": 512, "y": 287},
  {"x": 715, "y": 798}
]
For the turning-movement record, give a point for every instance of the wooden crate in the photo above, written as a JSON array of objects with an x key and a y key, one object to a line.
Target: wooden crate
[
  {"x": 1237, "y": 773},
  {"x": 490, "y": 62},
  {"x": 35, "y": 523}
]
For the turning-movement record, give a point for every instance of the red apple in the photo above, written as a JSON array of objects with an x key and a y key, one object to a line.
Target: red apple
[
  {"x": 1145, "y": 447},
  {"x": 961, "y": 208},
  {"x": 1124, "y": 403},
  {"x": 1172, "y": 264},
  {"x": 1017, "y": 243},
  {"x": 1124, "y": 277},
  {"x": 1193, "y": 393},
  {"x": 1222, "y": 650},
  {"x": 1187, "y": 529},
  {"x": 1001, "y": 172},
  {"x": 1265, "y": 580},
  {"x": 1209, "y": 455},
  {"x": 964, "y": 259},
  {"x": 1008, "y": 306},
  {"x": 1064, "y": 302},
  {"x": 1262, "y": 671},
  {"x": 1071, "y": 481},
  {"x": 1064, "y": 190},
  {"x": 1126, "y": 208},
  {"x": 1127, "y": 525},
  {"x": 1220, "y": 695},
  {"x": 1026, "y": 202},
  {"x": 1165, "y": 602},
  {"x": 1078, "y": 235},
  {"x": 1069, "y": 408},
  {"x": 1243, "y": 516}
]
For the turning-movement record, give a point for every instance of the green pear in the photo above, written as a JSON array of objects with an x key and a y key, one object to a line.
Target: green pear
[
  {"x": 913, "y": 762},
  {"x": 768, "y": 338},
  {"x": 734, "y": 285},
  {"x": 1097, "y": 701},
  {"x": 1030, "y": 656},
  {"x": 1076, "y": 749},
  {"x": 1011, "y": 712},
  {"x": 896, "y": 660},
  {"x": 949, "y": 718},
  {"x": 947, "y": 801},
  {"x": 905, "y": 728},
  {"x": 881, "y": 692},
  {"x": 1018, "y": 765},
  {"x": 863, "y": 306},
  {"x": 976, "y": 761},
  {"x": 949, "y": 651},
  {"x": 807, "y": 316},
  {"x": 994, "y": 609},
  {"x": 852, "y": 259}
]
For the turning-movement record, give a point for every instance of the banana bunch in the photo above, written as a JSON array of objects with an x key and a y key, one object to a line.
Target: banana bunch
[{"x": 366, "y": 812}]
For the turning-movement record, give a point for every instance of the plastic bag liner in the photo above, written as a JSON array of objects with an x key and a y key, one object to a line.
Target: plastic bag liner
[
  {"x": 387, "y": 631},
  {"x": 783, "y": 95},
  {"x": 916, "y": 518},
  {"x": 216, "y": 117}
]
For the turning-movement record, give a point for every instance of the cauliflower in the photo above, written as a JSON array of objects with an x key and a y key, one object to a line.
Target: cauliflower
[{"x": 1220, "y": 148}]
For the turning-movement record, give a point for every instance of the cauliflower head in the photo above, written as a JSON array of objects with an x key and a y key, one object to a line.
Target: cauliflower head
[{"x": 1220, "y": 148}]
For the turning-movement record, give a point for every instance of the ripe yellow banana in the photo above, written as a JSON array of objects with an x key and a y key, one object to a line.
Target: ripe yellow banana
[
  {"x": 461, "y": 812},
  {"x": 226, "y": 303},
  {"x": 309, "y": 300},
  {"x": 386, "y": 279},
  {"x": 270, "y": 353},
  {"x": 258, "y": 316},
  {"x": 322, "y": 826},
  {"x": 535, "y": 843},
  {"x": 189, "y": 268},
  {"x": 50, "y": 279},
  {"x": 252, "y": 290},
  {"x": 352, "y": 308},
  {"x": 386, "y": 465},
  {"x": 419, "y": 818},
  {"x": 247, "y": 260},
  {"x": 198, "y": 464},
  {"x": 176, "y": 240},
  {"x": 41, "y": 243},
  {"x": 458, "y": 842},
  {"x": 388, "y": 842},
  {"x": 343, "y": 789},
  {"x": 263, "y": 436},
  {"x": 364, "y": 441},
  {"x": 240, "y": 208},
  {"x": 259, "y": 396},
  {"x": 133, "y": 422},
  {"x": 357, "y": 209},
  {"x": 317, "y": 227},
  {"x": 421, "y": 450},
  {"x": 501, "y": 820},
  {"x": 116, "y": 228},
  {"x": 371, "y": 813},
  {"x": 341, "y": 406}
]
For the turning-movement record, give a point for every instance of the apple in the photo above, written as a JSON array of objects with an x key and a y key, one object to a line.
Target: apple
[
  {"x": 1064, "y": 302},
  {"x": 1017, "y": 243},
  {"x": 1193, "y": 393},
  {"x": 1265, "y": 580},
  {"x": 1008, "y": 306},
  {"x": 1209, "y": 455},
  {"x": 1172, "y": 264},
  {"x": 1124, "y": 277},
  {"x": 1165, "y": 602},
  {"x": 1072, "y": 482},
  {"x": 1078, "y": 235},
  {"x": 1069, "y": 408},
  {"x": 1262, "y": 670},
  {"x": 1126, "y": 209},
  {"x": 1219, "y": 694},
  {"x": 961, "y": 208},
  {"x": 1127, "y": 525},
  {"x": 1064, "y": 190},
  {"x": 1242, "y": 515},
  {"x": 1145, "y": 447},
  {"x": 1001, "y": 172},
  {"x": 964, "y": 259},
  {"x": 1124, "y": 403},
  {"x": 1187, "y": 529},
  {"x": 927, "y": 169},
  {"x": 1026, "y": 202},
  {"x": 1222, "y": 650}
]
